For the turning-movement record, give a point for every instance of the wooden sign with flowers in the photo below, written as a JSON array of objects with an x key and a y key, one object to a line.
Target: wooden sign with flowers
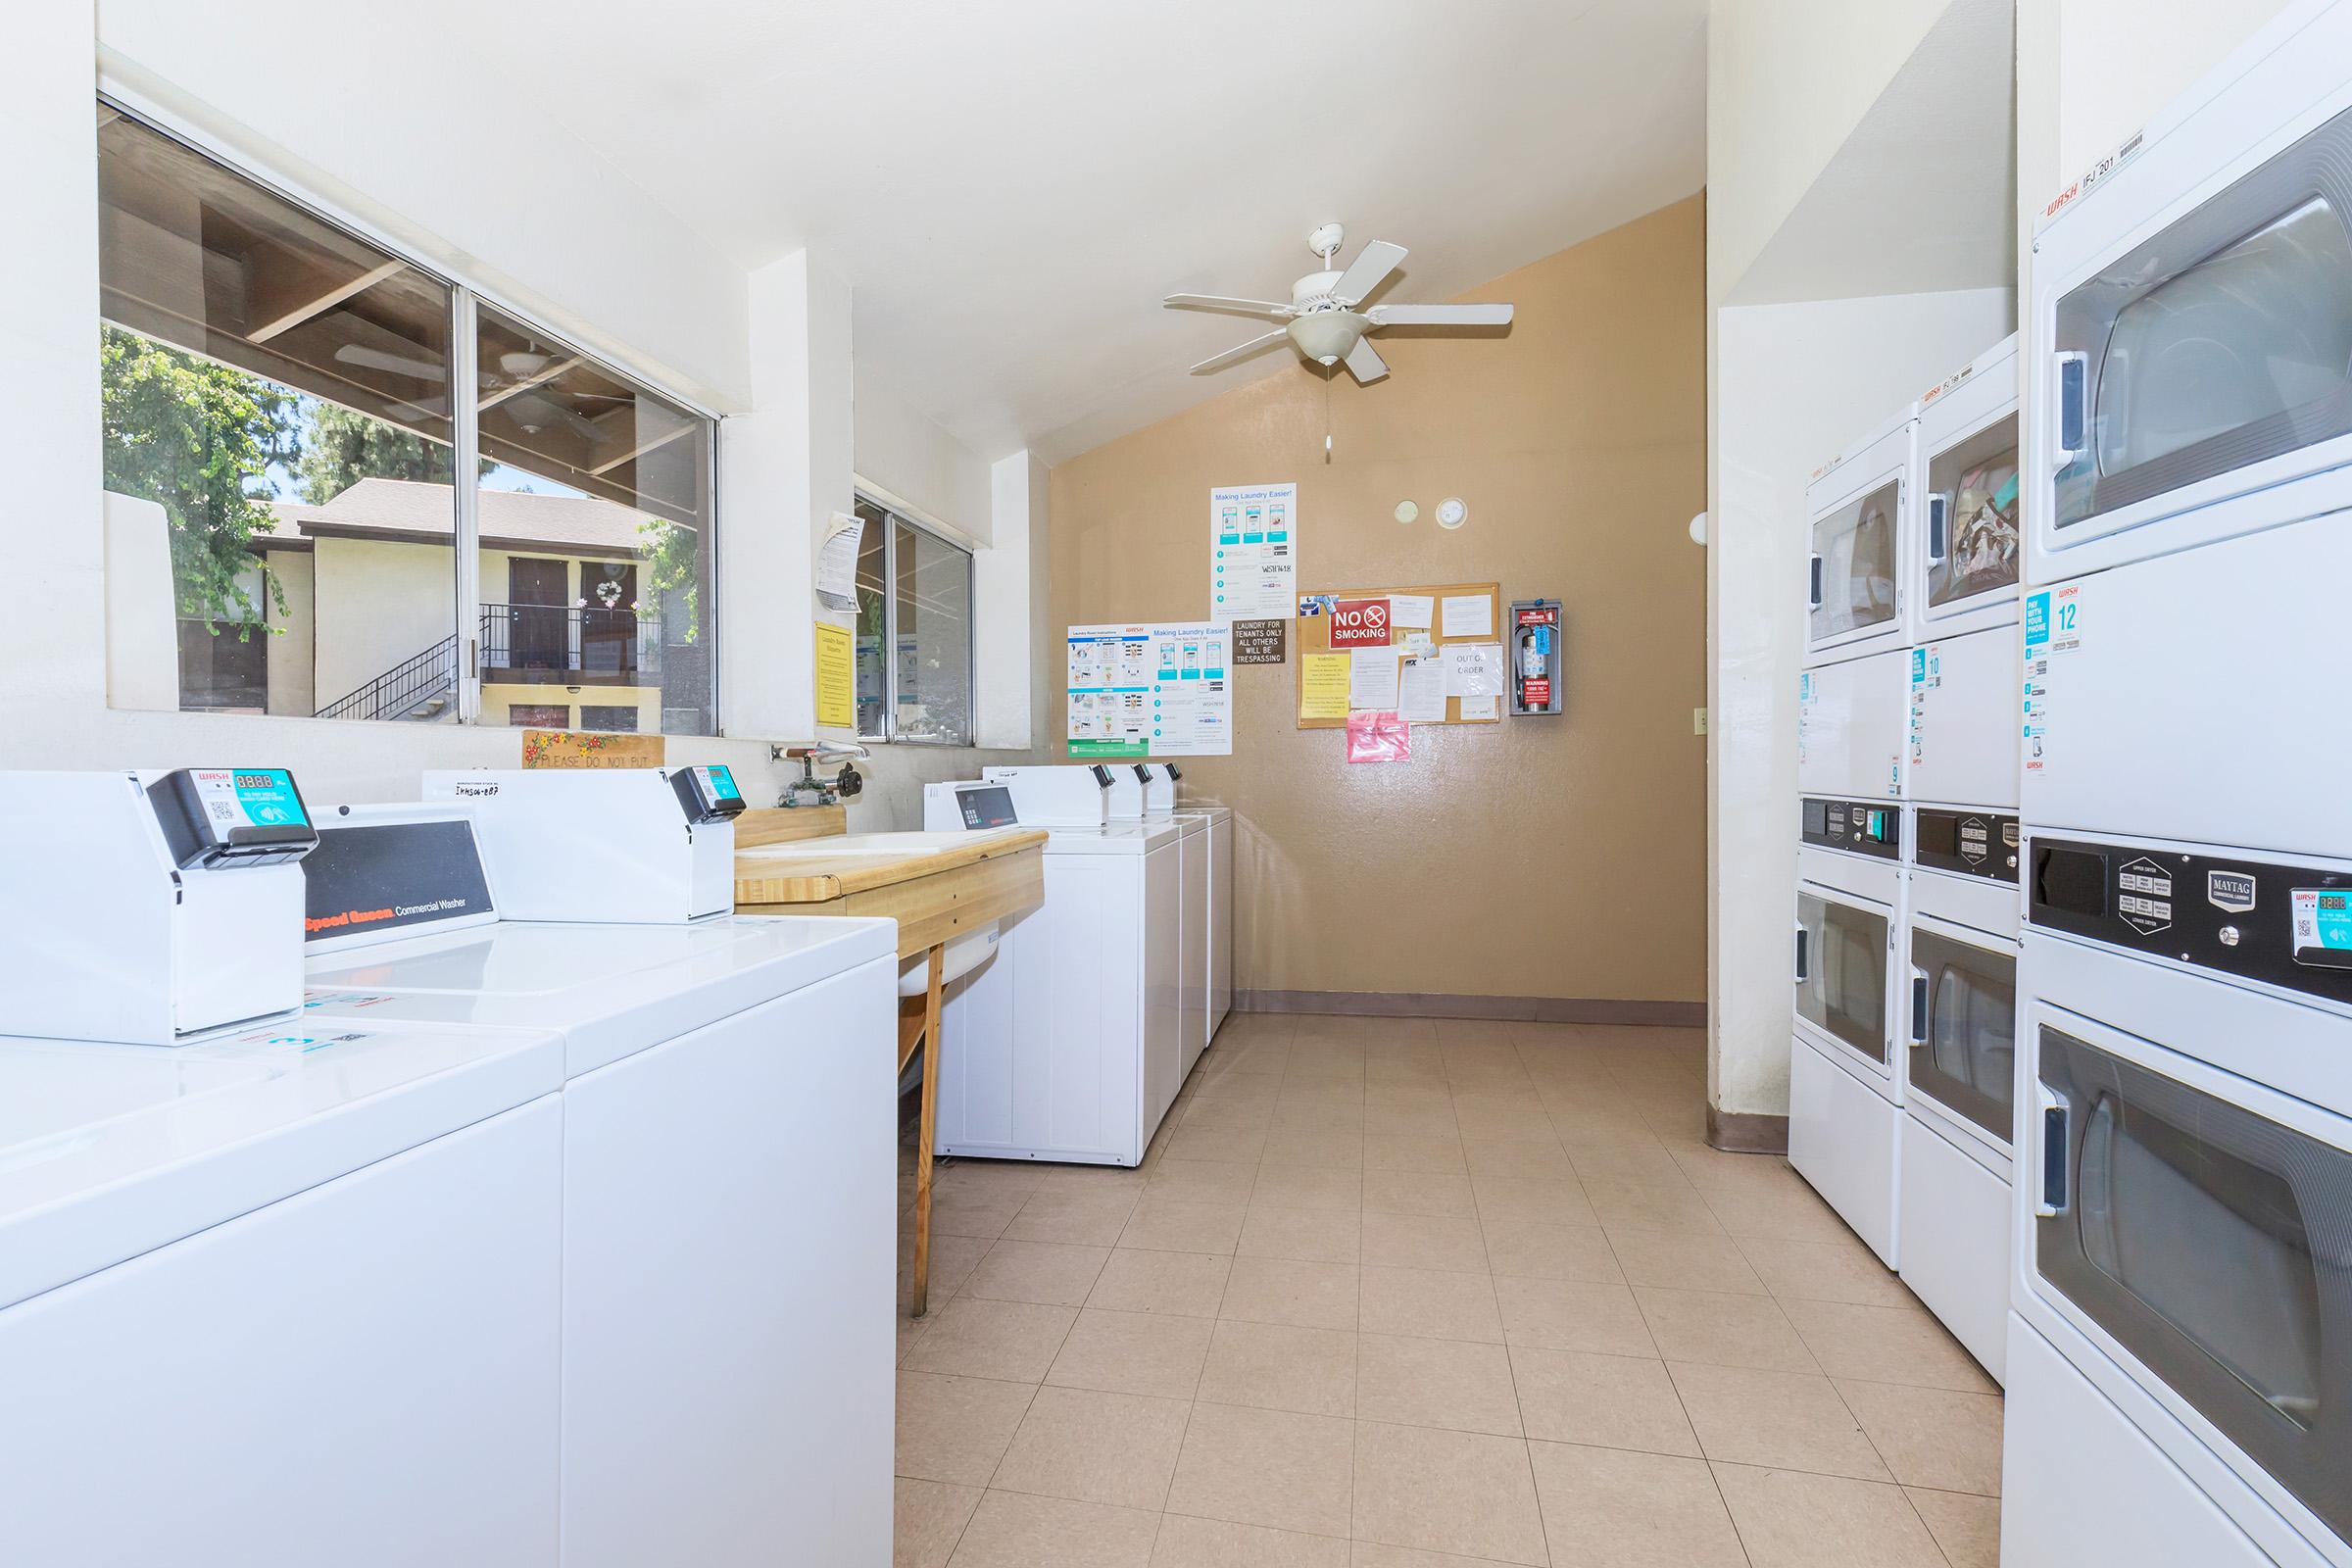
[{"x": 562, "y": 748}]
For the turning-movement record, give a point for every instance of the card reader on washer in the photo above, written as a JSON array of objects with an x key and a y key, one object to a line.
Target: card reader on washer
[{"x": 148, "y": 907}]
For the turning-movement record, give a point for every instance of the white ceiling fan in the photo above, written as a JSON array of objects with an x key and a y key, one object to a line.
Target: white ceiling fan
[{"x": 1327, "y": 317}]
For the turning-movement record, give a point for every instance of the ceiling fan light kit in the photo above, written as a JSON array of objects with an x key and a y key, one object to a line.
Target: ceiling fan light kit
[{"x": 1327, "y": 319}]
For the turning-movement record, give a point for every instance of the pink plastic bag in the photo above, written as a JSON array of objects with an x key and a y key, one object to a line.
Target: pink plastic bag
[{"x": 1378, "y": 737}]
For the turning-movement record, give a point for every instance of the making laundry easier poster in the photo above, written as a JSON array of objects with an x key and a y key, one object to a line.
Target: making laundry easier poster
[
  {"x": 1252, "y": 551},
  {"x": 1151, "y": 691}
]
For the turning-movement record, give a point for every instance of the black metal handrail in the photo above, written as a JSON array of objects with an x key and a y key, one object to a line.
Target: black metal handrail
[
  {"x": 401, "y": 688},
  {"x": 559, "y": 639}
]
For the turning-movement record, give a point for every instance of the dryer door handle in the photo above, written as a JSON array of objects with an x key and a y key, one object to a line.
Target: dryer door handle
[
  {"x": 2054, "y": 1111},
  {"x": 1919, "y": 1006},
  {"x": 1814, "y": 570},
  {"x": 2070, "y": 407},
  {"x": 1939, "y": 525},
  {"x": 1801, "y": 934}
]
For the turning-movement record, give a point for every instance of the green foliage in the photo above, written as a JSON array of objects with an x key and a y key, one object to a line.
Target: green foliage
[
  {"x": 342, "y": 447},
  {"x": 669, "y": 556},
  {"x": 195, "y": 437}
]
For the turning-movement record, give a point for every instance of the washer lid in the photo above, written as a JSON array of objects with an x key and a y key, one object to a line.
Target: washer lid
[
  {"x": 1118, "y": 838},
  {"x": 108, "y": 1151},
  {"x": 610, "y": 990}
]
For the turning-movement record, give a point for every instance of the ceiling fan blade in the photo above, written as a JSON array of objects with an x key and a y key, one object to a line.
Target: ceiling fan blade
[
  {"x": 378, "y": 359},
  {"x": 1218, "y": 302},
  {"x": 1439, "y": 315},
  {"x": 1364, "y": 362},
  {"x": 1239, "y": 353},
  {"x": 1367, "y": 271}
]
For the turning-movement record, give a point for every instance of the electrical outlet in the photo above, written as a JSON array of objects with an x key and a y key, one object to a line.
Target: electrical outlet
[{"x": 1699, "y": 721}]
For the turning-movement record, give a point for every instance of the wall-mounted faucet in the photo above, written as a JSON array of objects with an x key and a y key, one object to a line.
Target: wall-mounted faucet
[{"x": 809, "y": 789}]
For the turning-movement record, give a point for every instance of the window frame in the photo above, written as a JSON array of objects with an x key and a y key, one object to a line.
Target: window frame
[
  {"x": 898, "y": 514},
  {"x": 465, "y": 294}
]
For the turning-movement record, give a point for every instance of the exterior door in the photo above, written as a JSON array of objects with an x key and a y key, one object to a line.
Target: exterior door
[
  {"x": 608, "y": 616},
  {"x": 538, "y": 615}
]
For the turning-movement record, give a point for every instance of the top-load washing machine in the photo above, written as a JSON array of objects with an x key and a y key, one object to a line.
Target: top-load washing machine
[
  {"x": 284, "y": 1292},
  {"x": 727, "y": 1348},
  {"x": 1069, "y": 1043},
  {"x": 1219, "y": 819},
  {"x": 1140, "y": 792},
  {"x": 2187, "y": 533}
]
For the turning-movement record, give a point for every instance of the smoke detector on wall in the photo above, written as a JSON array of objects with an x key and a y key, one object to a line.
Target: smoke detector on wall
[{"x": 1327, "y": 318}]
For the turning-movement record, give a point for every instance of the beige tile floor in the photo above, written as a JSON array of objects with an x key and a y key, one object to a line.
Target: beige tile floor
[{"x": 1414, "y": 1293}]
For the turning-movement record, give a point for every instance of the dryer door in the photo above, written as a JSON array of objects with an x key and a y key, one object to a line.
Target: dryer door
[
  {"x": 2220, "y": 342},
  {"x": 1964, "y": 1027},
  {"x": 1841, "y": 972},
  {"x": 1971, "y": 516},
  {"x": 2213, "y": 1244},
  {"x": 1853, "y": 567}
]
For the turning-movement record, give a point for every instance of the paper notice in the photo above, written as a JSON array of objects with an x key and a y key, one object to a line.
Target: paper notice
[
  {"x": 1323, "y": 685},
  {"x": 836, "y": 677},
  {"x": 1372, "y": 677},
  {"x": 1421, "y": 690},
  {"x": 837, "y": 563},
  {"x": 1478, "y": 710},
  {"x": 1467, "y": 616},
  {"x": 1409, "y": 610},
  {"x": 1474, "y": 669}
]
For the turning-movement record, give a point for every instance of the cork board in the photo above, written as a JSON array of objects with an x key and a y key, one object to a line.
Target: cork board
[{"x": 1314, "y": 637}]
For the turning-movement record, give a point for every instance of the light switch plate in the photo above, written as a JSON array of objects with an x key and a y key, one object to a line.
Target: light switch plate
[{"x": 1699, "y": 721}]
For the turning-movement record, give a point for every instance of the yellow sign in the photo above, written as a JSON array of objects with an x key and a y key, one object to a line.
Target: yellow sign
[
  {"x": 1323, "y": 693},
  {"x": 836, "y": 677},
  {"x": 560, "y": 747}
]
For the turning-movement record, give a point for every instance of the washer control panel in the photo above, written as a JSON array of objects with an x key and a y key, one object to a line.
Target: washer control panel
[{"x": 2275, "y": 922}]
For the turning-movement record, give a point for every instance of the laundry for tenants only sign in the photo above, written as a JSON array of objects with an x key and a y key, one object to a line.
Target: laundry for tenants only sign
[{"x": 1359, "y": 623}]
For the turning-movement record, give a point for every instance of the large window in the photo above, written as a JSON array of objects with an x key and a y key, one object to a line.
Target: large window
[
  {"x": 914, "y": 632},
  {"x": 293, "y": 486}
]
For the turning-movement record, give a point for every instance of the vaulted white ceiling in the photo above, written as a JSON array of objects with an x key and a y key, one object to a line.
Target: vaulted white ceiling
[{"x": 1009, "y": 188}]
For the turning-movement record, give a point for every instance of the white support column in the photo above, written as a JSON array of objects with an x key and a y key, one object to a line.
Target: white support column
[
  {"x": 1009, "y": 593},
  {"x": 784, "y": 469}
]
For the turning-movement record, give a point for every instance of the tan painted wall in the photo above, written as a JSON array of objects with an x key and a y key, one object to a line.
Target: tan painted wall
[{"x": 1547, "y": 856}]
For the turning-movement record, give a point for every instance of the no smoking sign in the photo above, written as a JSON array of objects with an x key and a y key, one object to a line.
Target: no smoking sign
[{"x": 1359, "y": 623}]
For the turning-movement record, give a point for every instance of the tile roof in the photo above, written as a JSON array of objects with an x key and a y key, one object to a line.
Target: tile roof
[{"x": 379, "y": 508}]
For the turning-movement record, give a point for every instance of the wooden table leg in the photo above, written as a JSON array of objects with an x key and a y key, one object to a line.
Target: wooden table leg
[{"x": 927, "y": 1134}]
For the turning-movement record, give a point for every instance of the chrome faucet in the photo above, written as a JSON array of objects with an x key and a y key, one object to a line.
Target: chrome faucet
[{"x": 809, "y": 789}]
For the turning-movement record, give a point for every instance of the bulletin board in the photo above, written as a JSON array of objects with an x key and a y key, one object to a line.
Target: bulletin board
[{"x": 1314, "y": 637}]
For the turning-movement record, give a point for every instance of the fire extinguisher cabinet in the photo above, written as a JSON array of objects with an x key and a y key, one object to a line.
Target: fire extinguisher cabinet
[{"x": 1535, "y": 655}]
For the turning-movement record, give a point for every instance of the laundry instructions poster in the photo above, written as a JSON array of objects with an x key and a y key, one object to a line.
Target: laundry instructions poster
[
  {"x": 1252, "y": 551},
  {"x": 1151, "y": 691}
]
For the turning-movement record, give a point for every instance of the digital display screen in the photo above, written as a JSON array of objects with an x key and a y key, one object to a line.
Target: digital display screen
[
  {"x": 990, "y": 805},
  {"x": 2323, "y": 926}
]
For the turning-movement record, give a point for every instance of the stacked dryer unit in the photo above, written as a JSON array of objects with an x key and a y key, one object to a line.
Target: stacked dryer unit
[
  {"x": 1844, "y": 1080},
  {"x": 1962, "y": 857},
  {"x": 2180, "y": 1362}
]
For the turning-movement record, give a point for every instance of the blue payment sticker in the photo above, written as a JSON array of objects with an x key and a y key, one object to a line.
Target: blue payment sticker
[
  {"x": 267, "y": 796},
  {"x": 2037, "y": 619}
]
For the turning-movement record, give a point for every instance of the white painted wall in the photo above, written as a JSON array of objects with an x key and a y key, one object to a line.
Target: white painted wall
[
  {"x": 1008, "y": 582},
  {"x": 2113, "y": 64},
  {"x": 1787, "y": 85},
  {"x": 497, "y": 196},
  {"x": 1794, "y": 385},
  {"x": 911, "y": 457}
]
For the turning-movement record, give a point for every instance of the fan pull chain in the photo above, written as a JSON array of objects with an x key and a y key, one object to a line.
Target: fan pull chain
[{"x": 1328, "y": 373}]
